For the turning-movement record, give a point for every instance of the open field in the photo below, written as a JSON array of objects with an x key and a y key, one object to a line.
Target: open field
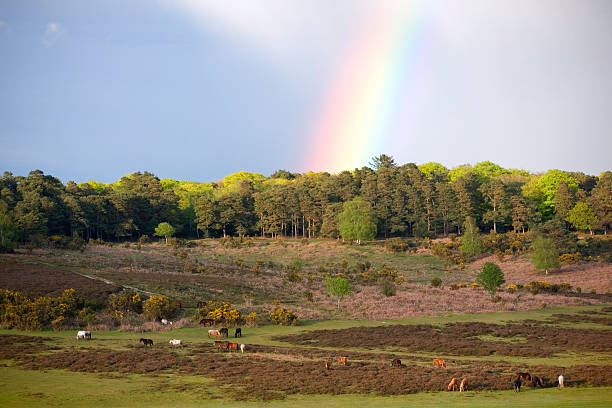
[
  {"x": 285, "y": 374},
  {"x": 487, "y": 342}
]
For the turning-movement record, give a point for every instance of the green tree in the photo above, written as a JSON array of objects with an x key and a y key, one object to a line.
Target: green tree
[
  {"x": 582, "y": 217},
  {"x": 601, "y": 201},
  {"x": 542, "y": 190},
  {"x": 338, "y": 287},
  {"x": 491, "y": 277},
  {"x": 8, "y": 232},
  {"x": 357, "y": 221},
  {"x": 164, "y": 230},
  {"x": 564, "y": 200},
  {"x": 496, "y": 197},
  {"x": 471, "y": 243},
  {"x": 544, "y": 254}
]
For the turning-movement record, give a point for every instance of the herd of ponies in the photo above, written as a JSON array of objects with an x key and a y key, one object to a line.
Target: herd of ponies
[{"x": 453, "y": 385}]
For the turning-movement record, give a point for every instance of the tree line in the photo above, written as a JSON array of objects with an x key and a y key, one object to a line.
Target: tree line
[{"x": 406, "y": 201}]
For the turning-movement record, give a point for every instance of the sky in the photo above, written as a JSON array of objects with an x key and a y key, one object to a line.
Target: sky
[{"x": 199, "y": 89}]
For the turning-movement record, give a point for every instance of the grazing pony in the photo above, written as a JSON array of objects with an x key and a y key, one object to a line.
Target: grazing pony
[
  {"x": 439, "y": 363},
  {"x": 232, "y": 346},
  {"x": 165, "y": 321},
  {"x": 224, "y": 332},
  {"x": 561, "y": 379},
  {"x": 524, "y": 376},
  {"x": 396, "y": 363},
  {"x": 238, "y": 332},
  {"x": 242, "y": 347},
  {"x": 213, "y": 332},
  {"x": 535, "y": 381},
  {"x": 452, "y": 384},
  {"x": 176, "y": 342},
  {"x": 146, "y": 342},
  {"x": 327, "y": 365},
  {"x": 463, "y": 385},
  {"x": 207, "y": 322},
  {"x": 517, "y": 384},
  {"x": 81, "y": 334},
  {"x": 222, "y": 344},
  {"x": 342, "y": 361}
]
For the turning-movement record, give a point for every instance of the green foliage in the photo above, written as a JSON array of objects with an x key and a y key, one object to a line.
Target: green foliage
[
  {"x": 582, "y": 217},
  {"x": 158, "y": 307},
  {"x": 357, "y": 221},
  {"x": 436, "y": 282},
  {"x": 433, "y": 170},
  {"x": 491, "y": 277},
  {"x": 542, "y": 190},
  {"x": 338, "y": 287},
  {"x": 544, "y": 254},
  {"x": 471, "y": 243},
  {"x": 164, "y": 230},
  {"x": 283, "y": 317}
]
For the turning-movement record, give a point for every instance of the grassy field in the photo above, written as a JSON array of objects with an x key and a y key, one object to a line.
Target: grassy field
[
  {"x": 47, "y": 387},
  {"x": 56, "y": 388}
]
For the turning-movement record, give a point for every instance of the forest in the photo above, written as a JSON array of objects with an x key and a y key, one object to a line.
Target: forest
[{"x": 427, "y": 200}]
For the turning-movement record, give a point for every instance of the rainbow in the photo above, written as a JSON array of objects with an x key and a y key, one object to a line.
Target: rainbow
[{"x": 366, "y": 102}]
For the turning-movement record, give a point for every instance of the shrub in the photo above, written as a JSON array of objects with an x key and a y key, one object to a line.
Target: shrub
[
  {"x": 436, "y": 282},
  {"x": 220, "y": 312},
  {"x": 536, "y": 287},
  {"x": 570, "y": 259},
  {"x": 387, "y": 288},
  {"x": 128, "y": 300},
  {"x": 396, "y": 245},
  {"x": 511, "y": 288},
  {"x": 283, "y": 317},
  {"x": 159, "y": 307},
  {"x": 19, "y": 311}
]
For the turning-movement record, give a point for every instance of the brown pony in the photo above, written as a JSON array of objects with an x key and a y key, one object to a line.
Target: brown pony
[
  {"x": 452, "y": 384},
  {"x": 232, "y": 346},
  {"x": 222, "y": 344},
  {"x": 439, "y": 363},
  {"x": 327, "y": 365},
  {"x": 342, "y": 361},
  {"x": 524, "y": 376},
  {"x": 396, "y": 363},
  {"x": 463, "y": 385}
]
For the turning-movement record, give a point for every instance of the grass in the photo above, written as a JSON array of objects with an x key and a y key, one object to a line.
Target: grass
[{"x": 54, "y": 388}]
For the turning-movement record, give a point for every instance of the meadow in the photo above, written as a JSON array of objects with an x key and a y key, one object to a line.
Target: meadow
[
  {"x": 283, "y": 368},
  {"x": 487, "y": 342}
]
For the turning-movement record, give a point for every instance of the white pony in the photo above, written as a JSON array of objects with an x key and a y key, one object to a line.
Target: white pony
[
  {"x": 242, "y": 347},
  {"x": 561, "y": 379},
  {"x": 176, "y": 342},
  {"x": 82, "y": 334}
]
